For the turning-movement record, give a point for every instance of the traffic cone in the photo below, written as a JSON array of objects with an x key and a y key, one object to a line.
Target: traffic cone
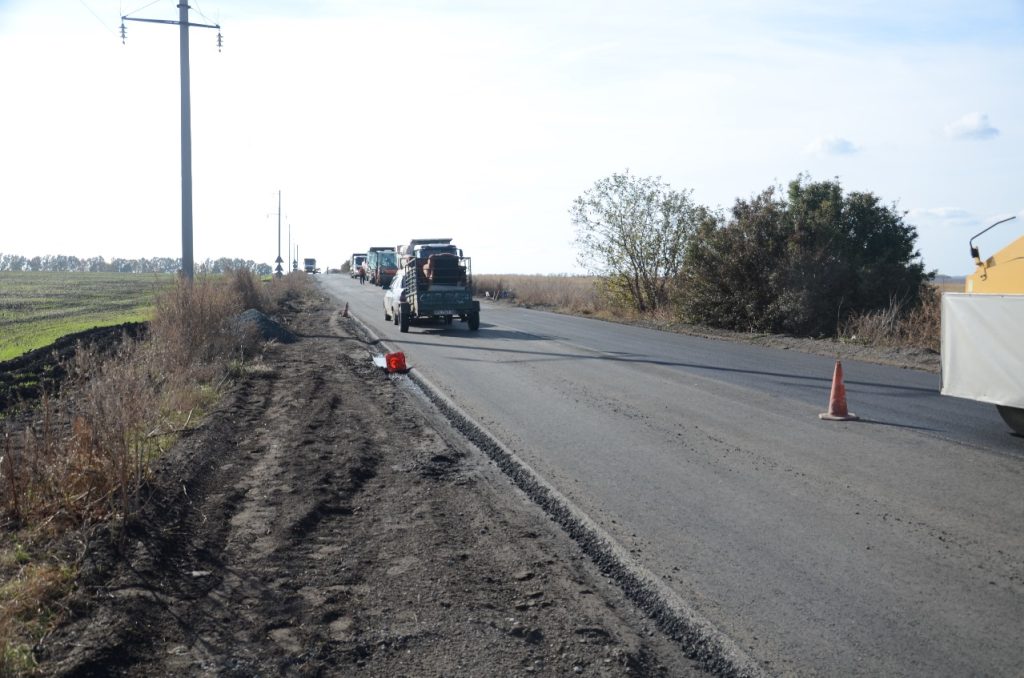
[
  {"x": 837, "y": 399},
  {"x": 395, "y": 362},
  {"x": 344, "y": 314}
]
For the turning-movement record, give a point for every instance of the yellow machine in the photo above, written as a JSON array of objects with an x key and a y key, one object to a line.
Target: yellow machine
[
  {"x": 983, "y": 333},
  {"x": 1002, "y": 273}
]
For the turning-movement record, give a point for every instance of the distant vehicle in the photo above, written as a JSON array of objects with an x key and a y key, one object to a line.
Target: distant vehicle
[
  {"x": 381, "y": 265},
  {"x": 309, "y": 266},
  {"x": 355, "y": 263},
  {"x": 433, "y": 283},
  {"x": 423, "y": 248}
]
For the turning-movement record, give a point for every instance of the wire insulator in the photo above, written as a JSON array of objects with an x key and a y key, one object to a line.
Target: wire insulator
[
  {"x": 124, "y": 32},
  {"x": 220, "y": 41}
]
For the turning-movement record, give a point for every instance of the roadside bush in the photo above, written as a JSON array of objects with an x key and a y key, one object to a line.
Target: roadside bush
[
  {"x": 802, "y": 264},
  {"x": 250, "y": 291},
  {"x": 83, "y": 458},
  {"x": 632, "y": 232},
  {"x": 192, "y": 323},
  {"x": 86, "y": 452}
]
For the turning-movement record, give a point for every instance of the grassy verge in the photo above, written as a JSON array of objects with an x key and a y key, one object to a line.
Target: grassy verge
[
  {"x": 85, "y": 453},
  {"x": 38, "y": 308},
  {"x": 577, "y": 294}
]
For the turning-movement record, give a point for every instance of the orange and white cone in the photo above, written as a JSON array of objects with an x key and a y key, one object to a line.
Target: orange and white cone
[{"x": 837, "y": 399}]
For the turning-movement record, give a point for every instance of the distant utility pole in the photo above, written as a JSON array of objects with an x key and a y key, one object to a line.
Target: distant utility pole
[
  {"x": 186, "y": 127},
  {"x": 279, "y": 259}
]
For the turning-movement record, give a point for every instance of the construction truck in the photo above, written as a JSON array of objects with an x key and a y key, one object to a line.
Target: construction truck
[
  {"x": 381, "y": 265},
  {"x": 983, "y": 331},
  {"x": 434, "y": 282}
]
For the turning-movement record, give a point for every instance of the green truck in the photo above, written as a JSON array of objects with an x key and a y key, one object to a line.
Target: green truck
[{"x": 434, "y": 282}]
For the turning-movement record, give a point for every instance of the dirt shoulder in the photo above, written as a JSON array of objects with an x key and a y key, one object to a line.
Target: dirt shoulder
[{"x": 326, "y": 520}]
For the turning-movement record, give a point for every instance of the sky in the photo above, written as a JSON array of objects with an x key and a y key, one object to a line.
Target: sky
[{"x": 379, "y": 121}]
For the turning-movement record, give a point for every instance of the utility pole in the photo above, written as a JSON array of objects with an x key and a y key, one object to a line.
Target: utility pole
[
  {"x": 277, "y": 270},
  {"x": 187, "y": 267}
]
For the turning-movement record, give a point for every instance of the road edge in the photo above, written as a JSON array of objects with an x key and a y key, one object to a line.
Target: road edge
[{"x": 698, "y": 637}]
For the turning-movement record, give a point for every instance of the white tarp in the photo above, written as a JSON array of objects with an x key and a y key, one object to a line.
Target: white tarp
[{"x": 983, "y": 347}]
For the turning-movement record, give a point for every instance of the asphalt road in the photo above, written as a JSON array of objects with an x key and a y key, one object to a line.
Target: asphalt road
[{"x": 889, "y": 546}]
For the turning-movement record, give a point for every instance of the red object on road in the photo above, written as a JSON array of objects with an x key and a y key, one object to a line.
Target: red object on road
[
  {"x": 837, "y": 399},
  {"x": 395, "y": 362}
]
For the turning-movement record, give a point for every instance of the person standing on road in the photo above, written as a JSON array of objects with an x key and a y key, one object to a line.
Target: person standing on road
[{"x": 362, "y": 276}]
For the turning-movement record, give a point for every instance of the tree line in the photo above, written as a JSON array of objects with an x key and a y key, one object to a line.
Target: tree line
[
  {"x": 64, "y": 263},
  {"x": 800, "y": 259}
]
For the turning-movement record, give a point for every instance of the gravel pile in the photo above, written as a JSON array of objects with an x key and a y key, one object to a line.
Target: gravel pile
[{"x": 266, "y": 327}]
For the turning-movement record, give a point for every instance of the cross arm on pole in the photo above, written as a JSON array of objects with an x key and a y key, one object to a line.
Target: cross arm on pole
[{"x": 168, "y": 21}]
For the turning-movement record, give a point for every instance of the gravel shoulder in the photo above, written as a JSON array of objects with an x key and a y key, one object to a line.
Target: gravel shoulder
[{"x": 327, "y": 520}]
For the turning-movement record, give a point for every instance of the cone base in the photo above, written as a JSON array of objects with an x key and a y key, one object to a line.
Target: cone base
[{"x": 836, "y": 417}]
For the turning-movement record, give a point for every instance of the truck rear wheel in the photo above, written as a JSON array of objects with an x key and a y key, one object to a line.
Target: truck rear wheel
[
  {"x": 403, "y": 315},
  {"x": 1013, "y": 416},
  {"x": 474, "y": 321}
]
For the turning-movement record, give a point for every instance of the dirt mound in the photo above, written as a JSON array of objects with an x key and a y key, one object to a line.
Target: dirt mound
[
  {"x": 263, "y": 325},
  {"x": 27, "y": 377},
  {"x": 325, "y": 520}
]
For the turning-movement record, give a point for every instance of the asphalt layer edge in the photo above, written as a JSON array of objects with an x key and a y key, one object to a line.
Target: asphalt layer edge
[{"x": 697, "y": 636}]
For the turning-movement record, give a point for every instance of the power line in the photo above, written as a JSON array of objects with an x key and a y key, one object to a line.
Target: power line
[
  {"x": 97, "y": 17},
  {"x": 140, "y": 8}
]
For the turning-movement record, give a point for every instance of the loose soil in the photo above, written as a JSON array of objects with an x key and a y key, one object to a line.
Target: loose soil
[
  {"x": 25, "y": 378},
  {"x": 327, "y": 519}
]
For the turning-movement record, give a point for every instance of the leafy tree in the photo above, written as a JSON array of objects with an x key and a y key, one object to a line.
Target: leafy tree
[
  {"x": 632, "y": 231},
  {"x": 800, "y": 264},
  {"x": 730, "y": 273}
]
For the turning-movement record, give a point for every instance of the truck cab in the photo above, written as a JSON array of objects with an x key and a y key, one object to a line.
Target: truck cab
[{"x": 356, "y": 263}]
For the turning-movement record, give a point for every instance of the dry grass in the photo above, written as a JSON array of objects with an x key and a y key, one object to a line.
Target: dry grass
[
  {"x": 565, "y": 293},
  {"x": 898, "y": 325},
  {"x": 87, "y": 452}
]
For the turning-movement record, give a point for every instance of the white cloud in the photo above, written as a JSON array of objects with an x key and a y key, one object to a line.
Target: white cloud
[
  {"x": 971, "y": 126},
  {"x": 832, "y": 146},
  {"x": 946, "y": 215}
]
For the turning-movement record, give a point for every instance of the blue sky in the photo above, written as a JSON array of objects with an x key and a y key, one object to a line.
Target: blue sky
[{"x": 482, "y": 121}]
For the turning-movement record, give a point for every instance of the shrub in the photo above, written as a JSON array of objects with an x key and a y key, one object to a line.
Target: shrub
[
  {"x": 192, "y": 323},
  {"x": 89, "y": 450},
  {"x": 250, "y": 292},
  {"x": 800, "y": 264}
]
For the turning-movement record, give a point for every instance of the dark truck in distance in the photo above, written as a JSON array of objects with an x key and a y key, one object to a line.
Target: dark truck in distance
[
  {"x": 381, "y": 265},
  {"x": 433, "y": 282}
]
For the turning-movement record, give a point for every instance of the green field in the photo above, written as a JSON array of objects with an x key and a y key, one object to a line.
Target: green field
[{"x": 38, "y": 308}]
